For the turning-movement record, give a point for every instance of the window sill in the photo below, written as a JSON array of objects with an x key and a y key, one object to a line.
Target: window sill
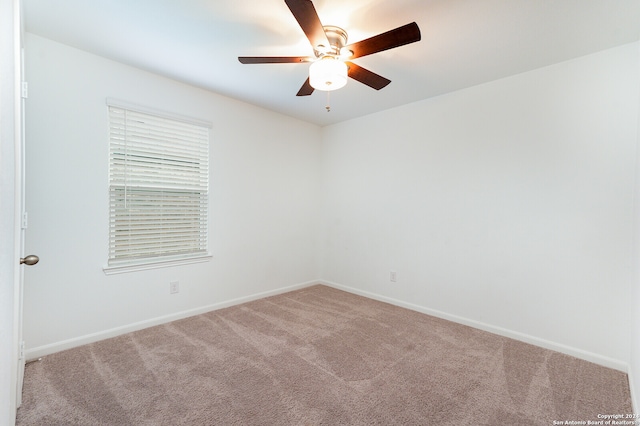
[{"x": 112, "y": 270}]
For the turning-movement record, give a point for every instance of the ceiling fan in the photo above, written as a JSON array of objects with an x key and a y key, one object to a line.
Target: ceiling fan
[{"x": 331, "y": 64}]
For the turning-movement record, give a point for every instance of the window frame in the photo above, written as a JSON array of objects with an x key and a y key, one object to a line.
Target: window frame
[{"x": 153, "y": 262}]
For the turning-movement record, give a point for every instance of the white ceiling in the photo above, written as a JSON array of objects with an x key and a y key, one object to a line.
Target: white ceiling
[{"x": 464, "y": 43}]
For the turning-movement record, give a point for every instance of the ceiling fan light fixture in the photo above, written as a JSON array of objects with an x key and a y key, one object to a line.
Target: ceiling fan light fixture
[
  {"x": 331, "y": 64},
  {"x": 328, "y": 73}
]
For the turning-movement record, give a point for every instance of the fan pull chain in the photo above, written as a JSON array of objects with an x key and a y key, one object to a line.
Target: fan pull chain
[{"x": 328, "y": 107}]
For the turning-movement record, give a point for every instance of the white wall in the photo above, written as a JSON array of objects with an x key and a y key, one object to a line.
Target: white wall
[
  {"x": 264, "y": 201},
  {"x": 507, "y": 206}
]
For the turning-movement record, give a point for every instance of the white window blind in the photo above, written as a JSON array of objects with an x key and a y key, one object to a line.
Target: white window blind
[{"x": 158, "y": 188}]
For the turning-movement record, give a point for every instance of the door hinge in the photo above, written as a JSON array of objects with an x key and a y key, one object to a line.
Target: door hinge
[
  {"x": 25, "y": 220},
  {"x": 25, "y": 90}
]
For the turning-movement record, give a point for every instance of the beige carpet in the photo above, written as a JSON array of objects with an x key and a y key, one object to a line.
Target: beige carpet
[{"x": 316, "y": 356}]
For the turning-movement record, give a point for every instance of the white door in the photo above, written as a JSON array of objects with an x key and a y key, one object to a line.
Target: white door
[
  {"x": 20, "y": 188},
  {"x": 10, "y": 218},
  {"x": 25, "y": 260}
]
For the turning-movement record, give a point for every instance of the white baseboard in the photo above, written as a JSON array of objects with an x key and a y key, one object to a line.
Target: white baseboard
[
  {"x": 40, "y": 351},
  {"x": 44, "y": 350},
  {"x": 568, "y": 350}
]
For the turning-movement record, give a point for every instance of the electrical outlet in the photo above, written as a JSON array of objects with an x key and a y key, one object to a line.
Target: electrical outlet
[
  {"x": 393, "y": 277},
  {"x": 174, "y": 287}
]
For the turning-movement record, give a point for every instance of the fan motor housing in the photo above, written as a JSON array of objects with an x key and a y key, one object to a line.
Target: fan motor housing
[{"x": 337, "y": 39}]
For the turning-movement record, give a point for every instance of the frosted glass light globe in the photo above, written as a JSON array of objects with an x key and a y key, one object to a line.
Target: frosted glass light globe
[{"x": 328, "y": 74}]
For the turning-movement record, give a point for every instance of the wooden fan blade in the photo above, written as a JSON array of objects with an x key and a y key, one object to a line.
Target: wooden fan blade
[
  {"x": 400, "y": 36},
  {"x": 306, "y": 89},
  {"x": 275, "y": 59},
  {"x": 367, "y": 77},
  {"x": 306, "y": 15}
]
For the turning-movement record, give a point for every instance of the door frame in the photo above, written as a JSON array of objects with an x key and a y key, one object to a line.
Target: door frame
[{"x": 10, "y": 213}]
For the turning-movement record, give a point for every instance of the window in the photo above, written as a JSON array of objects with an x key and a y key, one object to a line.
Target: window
[{"x": 158, "y": 187}]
